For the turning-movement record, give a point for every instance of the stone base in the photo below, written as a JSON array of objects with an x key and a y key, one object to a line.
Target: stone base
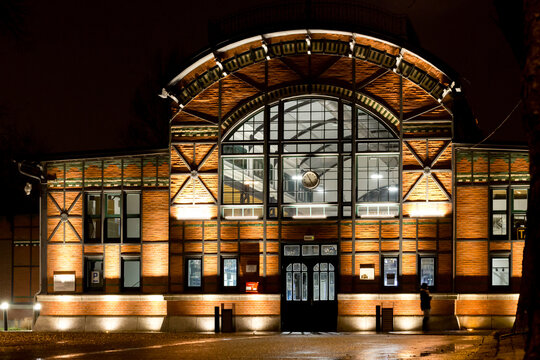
[
  {"x": 151, "y": 323},
  {"x": 486, "y": 322},
  {"x": 401, "y": 323}
]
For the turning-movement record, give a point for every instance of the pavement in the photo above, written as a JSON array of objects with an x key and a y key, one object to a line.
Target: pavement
[{"x": 453, "y": 345}]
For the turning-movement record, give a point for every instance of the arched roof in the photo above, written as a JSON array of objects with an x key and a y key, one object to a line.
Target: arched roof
[{"x": 229, "y": 82}]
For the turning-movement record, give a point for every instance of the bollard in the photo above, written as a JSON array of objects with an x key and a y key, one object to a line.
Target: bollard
[
  {"x": 216, "y": 319},
  {"x": 378, "y": 318},
  {"x": 5, "y": 307}
]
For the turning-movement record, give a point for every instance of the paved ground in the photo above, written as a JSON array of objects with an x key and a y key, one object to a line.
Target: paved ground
[{"x": 457, "y": 345}]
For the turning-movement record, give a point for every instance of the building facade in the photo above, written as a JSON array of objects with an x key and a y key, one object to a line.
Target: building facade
[{"x": 311, "y": 176}]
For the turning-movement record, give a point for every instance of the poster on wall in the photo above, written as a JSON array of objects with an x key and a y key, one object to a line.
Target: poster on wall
[
  {"x": 367, "y": 271},
  {"x": 64, "y": 282}
]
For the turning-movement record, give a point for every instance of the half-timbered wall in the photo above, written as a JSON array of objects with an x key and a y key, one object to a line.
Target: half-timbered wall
[{"x": 67, "y": 246}]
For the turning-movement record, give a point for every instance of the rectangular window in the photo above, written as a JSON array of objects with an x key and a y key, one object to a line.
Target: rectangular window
[
  {"x": 92, "y": 228},
  {"x": 427, "y": 270},
  {"x": 519, "y": 213},
  {"x": 112, "y": 217},
  {"x": 230, "y": 272},
  {"x": 93, "y": 273},
  {"x": 113, "y": 214},
  {"x": 499, "y": 213},
  {"x": 131, "y": 273},
  {"x": 133, "y": 218},
  {"x": 194, "y": 273},
  {"x": 390, "y": 271},
  {"x": 500, "y": 271}
]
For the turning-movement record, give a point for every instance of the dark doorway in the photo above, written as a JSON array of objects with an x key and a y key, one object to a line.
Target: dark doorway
[{"x": 309, "y": 287}]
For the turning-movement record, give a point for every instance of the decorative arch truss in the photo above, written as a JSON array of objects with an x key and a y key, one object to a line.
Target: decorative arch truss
[{"x": 409, "y": 94}]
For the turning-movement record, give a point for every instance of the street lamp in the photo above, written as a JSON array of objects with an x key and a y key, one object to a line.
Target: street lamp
[{"x": 5, "y": 307}]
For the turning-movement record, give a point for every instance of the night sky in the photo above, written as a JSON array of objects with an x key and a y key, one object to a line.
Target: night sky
[{"x": 70, "y": 79}]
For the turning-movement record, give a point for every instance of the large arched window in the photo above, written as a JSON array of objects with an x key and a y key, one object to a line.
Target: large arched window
[{"x": 295, "y": 158}]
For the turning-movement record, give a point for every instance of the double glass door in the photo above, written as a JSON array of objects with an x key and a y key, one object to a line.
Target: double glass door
[{"x": 309, "y": 283}]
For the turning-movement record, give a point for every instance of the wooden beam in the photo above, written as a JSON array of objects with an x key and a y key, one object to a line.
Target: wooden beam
[
  {"x": 201, "y": 116},
  {"x": 55, "y": 203},
  {"x": 179, "y": 153},
  {"x": 440, "y": 186},
  {"x": 420, "y": 161},
  {"x": 418, "y": 112},
  {"x": 371, "y": 78},
  {"x": 443, "y": 149},
  {"x": 184, "y": 184},
  {"x": 327, "y": 65},
  {"x": 74, "y": 201},
  {"x": 207, "y": 190},
  {"x": 246, "y": 79},
  {"x": 413, "y": 186},
  {"x": 203, "y": 161},
  {"x": 293, "y": 67}
]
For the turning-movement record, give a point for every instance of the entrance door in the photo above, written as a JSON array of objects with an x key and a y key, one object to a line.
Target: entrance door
[{"x": 309, "y": 295}]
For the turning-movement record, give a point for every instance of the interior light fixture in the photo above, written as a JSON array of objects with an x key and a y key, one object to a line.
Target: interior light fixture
[
  {"x": 392, "y": 188},
  {"x": 193, "y": 213},
  {"x": 309, "y": 217},
  {"x": 376, "y": 176},
  {"x": 242, "y": 217}
]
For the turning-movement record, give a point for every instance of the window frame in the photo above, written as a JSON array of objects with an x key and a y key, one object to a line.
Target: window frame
[
  {"x": 126, "y": 216},
  {"x": 514, "y": 212},
  {"x": 493, "y": 212},
  {"x": 86, "y": 280},
  {"x": 298, "y": 116},
  {"x": 103, "y": 239},
  {"x": 125, "y": 258},
  {"x": 187, "y": 287},
  {"x": 382, "y": 268},
  {"x": 87, "y": 216},
  {"x": 222, "y": 273},
  {"x": 501, "y": 255},
  {"x": 419, "y": 269}
]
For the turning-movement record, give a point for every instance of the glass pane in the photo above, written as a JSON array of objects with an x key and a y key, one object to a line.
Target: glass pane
[
  {"x": 499, "y": 200},
  {"x": 499, "y": 224},
  {"x": 304, "y": 286},
  {"x": 329, "y": 250},
  {"x": 113, "y": 228},
  {"x": 331, "y": 287},
  {"x": 251, "y": 129},
  {"x": 113, "y": 204},
  {"x": 194, "y": 272},
  {"x": 133, "y": 204},
  {"x": 93, "y": 205},
  {"x": 93, "y": 229},
  {"x": 378, "y": 179},
  {"x": 316, "y": 286},
  {"x": 132, "y": 273},
  {"x": 243, "y": 180},
  {"x": 133, "y": 228},
  {"x": 330, "y": 267},
  {"x": 500, "y": 271},
  {"x": 324, "y": 286},
  {"x": 310, "y": 250},
  {"x": 291, "y": 250},
  {"x": 289, "y": 285},
  {"x": 520, "y": 199},
  {"x": 94, "y": 273},
  {"x": 304, "y": 267},
  {"x": 297, "y": 288},
  {"x": 427, "y": 271},
  {"x": 229, "y": 272},
  {"x": 324, "y": 266},
  {"x": 289, "y": 267},
  {"x": 519, "y": 226},
  {"x": 296, "y": 267},
  {"x": 390, "y": 271}
]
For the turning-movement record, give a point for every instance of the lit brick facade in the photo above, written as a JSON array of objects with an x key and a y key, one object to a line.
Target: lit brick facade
[{"x": 446, "y": 193}]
